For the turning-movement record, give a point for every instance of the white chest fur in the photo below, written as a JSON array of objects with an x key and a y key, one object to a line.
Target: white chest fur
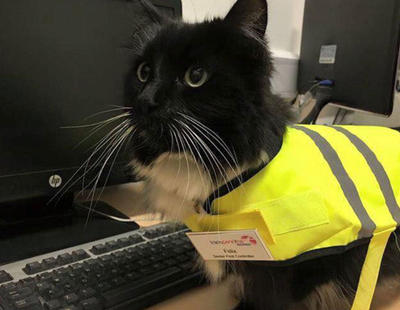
[{"x": 176, "y": 185}]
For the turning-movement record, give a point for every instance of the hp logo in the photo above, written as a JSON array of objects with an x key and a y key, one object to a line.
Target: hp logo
[{"x": 55, "y": 181}]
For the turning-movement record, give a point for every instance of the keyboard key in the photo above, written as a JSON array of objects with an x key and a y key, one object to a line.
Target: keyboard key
[
  {"x": 179, "y": 250},
  {"x": 80, "y": 255},
  {"x": 77, "y": 268},
  {"x": 43, "y": 287},
  {"x": 49, "y": 263},
  {"x": 118, "y": 254},
  {"x": 71, "y": 298},
  {"x": 87, "y": 292},
  {"x": 143, "y": 262},
  {"x": 118, "y": 281},
  {"x": 99, "y": 249},
  {"x": 104, "y": 286},
  {"x": 27, "y": 281},
  {"x": 53, "y": 293},
  {"x": 5, "y": 277},
  {"x": 65, "y": 258},
  {"x": 171, "y": 262},
  {"x": 182, "y": 258},
  {"x": 33, "y": 267},
  {"x": 45, "y": 276},
  {"x": 134, "y": 239},
  {"x": 20, "y": 293},
  {"x": 158, "y": 266},
  {"x": 188, "y": 266},
  {"x": 28, "y": 303},
  {"x": 106, "y": 259},
  {"x": 123, "y": 242},
  {"x": 143, "y": 285},
  {"x": 53, "y": 305},
  {"x": 112, "y": 245},
  {"x": 9, "y": 287},
  {"x": 107, "y": 280},
  {"x": 71, "y": 307},
  {"x": 69, "y": 287},
  {"x": 133, "y": 276},
  {"x": 91, "y": 304},
  {"x": 91, "y": 265},
  {"x": 178, "y": 242}
]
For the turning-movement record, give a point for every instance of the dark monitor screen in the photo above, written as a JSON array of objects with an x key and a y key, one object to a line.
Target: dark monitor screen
[
  {"x": 60, "y": 62},
  {"x": 356, "y": 44}
]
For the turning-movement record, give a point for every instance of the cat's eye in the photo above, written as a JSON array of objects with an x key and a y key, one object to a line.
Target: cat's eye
[
  {"x": 195, "y": 77},
  {"x": 143, "y": 72}
]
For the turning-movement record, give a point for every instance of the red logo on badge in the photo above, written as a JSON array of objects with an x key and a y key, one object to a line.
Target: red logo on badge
[
  {"x": 244, "y": 240},
  {"x": 250, "y": 239}
]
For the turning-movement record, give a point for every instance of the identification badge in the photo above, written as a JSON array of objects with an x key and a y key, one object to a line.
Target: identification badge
[{"x": 230, "y": 245}]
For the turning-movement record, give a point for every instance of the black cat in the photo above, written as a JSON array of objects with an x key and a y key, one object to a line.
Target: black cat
[{"x": 203, "y": 113}]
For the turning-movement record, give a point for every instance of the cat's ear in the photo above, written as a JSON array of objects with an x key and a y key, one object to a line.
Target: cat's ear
[
  {"x": 252, "y": 14},
  {"x": 155, "y": 15}
]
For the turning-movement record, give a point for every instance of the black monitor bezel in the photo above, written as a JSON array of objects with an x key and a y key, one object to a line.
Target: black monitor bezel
[
  {"x": 30, "y": 184},
  {"x": 308, "y": 67}
]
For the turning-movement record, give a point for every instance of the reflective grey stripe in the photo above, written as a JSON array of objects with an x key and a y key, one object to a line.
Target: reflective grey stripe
[
  {"x": 378, "y": 170},
  {"x": 346, "y": 183}
]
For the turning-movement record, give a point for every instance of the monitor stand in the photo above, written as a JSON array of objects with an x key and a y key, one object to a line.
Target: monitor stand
[{"x": 33, "y": 227}]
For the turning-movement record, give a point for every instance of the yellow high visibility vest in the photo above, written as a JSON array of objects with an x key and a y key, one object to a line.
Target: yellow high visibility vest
[{"x": 327, "y": 190}]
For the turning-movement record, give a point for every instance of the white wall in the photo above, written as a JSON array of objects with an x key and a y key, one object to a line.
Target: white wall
[{"x": 285, "y": 19}]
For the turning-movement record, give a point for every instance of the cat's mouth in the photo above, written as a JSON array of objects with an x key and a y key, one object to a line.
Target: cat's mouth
[{"x": 189, "y": 139}]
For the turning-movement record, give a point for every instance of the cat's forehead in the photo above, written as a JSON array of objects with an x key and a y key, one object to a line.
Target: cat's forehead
[{"x": 179, "y": 40}]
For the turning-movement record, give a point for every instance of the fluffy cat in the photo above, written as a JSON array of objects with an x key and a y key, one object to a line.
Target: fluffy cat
[{"x": 203, "y": 113}]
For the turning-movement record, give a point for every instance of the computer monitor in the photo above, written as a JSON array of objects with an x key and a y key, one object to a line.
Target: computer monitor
[
  {"x": 355, "y": 43},
  {"x": 60, "y": 62}
]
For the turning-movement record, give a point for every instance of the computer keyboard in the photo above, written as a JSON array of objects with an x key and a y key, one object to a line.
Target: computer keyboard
[{"x": 129, "y": 271}]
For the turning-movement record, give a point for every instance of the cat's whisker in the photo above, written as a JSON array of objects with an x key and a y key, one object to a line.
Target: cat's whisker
[
  {"x": 95, "y": 130},
  {"x": 108, "y": 138},
  {"x": 212, "y": 134},
  {"x": 115, "y": 109},
  {"x": 71, "y": 182},
  {"x": 210, "y": 131},
  {"x": 106, "y": 153},
  {"x": 222, "y": 154},
  {"x": 196, "y": 146},
  {"x": 129, "y": 140},
  {"x": 109, "y": 120},
  {"x": 187, "y": 141},
  {"x": 187, "y": 167},
  {"x": 103, "y": 155},
  {"x": 218, "y": 164},
  {"x": 117, "y": 147},
  {"x": 195, "y": 142},
  {"x": 219, "y": 140},
  {"x": 214, "y": 158},
  {"x": 179, "y": 152}
]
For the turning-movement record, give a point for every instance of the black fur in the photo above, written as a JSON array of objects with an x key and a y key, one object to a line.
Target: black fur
[
  {"x": 236, "y": 102},
  {"x": 280, "y": 288}
]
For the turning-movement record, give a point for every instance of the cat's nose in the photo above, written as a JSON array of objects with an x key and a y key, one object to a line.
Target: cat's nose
[
  {"x": 149, "y": 101},
  {"x": 147, "y": 105}
]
